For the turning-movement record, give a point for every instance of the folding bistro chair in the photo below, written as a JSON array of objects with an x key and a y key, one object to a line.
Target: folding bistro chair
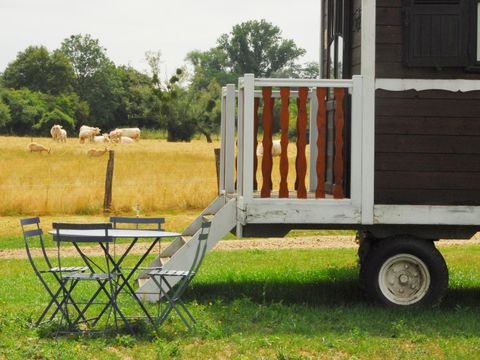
[
  {"x": 32, "y": 233},
  {"x": 121, "y": 222},
  {"x": 173, "y": 294},
  {"x": 100, "y": 273},
  {"x": 117, "y": 221}
]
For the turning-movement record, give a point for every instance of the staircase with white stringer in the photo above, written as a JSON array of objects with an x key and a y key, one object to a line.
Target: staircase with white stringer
[{"x": 222, "y": 212}]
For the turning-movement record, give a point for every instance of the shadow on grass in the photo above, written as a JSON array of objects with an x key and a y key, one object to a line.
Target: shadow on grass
[{"x": 340, "y": 288}]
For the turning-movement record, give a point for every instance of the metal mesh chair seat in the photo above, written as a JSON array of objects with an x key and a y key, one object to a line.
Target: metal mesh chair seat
[
  {"x": 69, "y": 269},
  {"x": 171, "y": 273},
  {"x": 88, "y": 276}
]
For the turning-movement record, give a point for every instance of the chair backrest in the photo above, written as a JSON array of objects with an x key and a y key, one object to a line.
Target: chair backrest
[
  {"x": 77, "y": 238},
  {"x": 80, "y": 237},
  {"x": 201, "y": 247},
  {"x": 116, "y": 220},
  {"x": 32, "y": 232}
]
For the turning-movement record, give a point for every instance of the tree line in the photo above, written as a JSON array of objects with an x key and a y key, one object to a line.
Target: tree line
[{"x": 78, "y": 84}]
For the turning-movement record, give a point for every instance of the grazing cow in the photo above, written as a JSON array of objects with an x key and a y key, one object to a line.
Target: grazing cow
[
  {"x": 133, "y": 133},
  {"x": 34, "y": 147},
  {"x": 115, "y": 136},
  {"x": 96, "y": 152},
  {"x": 99, "y": 139},
  {"x": 88, "y": 133},
  {"x": 126, "y": 140},
  {"x": 276, "y": 148}
]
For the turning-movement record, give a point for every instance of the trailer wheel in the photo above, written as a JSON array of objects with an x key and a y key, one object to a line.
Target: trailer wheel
[{"x": 405, "y": 271}]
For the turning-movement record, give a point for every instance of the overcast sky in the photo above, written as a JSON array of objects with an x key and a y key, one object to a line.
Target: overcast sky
[{"x": 127, "y": 28}]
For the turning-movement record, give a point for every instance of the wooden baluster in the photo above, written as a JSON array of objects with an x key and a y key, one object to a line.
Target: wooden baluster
[
  {"x": 267, "y": 161},
  {"x": 339, "y": 161},
  {"x": 301, "y": 162},
  {"x": 284, "y": 119},
  {"x": 321, "y": 139},
  {"x": 255, "y": 143}
]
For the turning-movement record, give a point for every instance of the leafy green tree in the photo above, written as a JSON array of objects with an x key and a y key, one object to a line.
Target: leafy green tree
[
  {"x": 140, "y": 105},
  {"x": 257, "y": 47},
  {"x": 175, "y": 106},
  {"x": 205, "y": 109},
  {"x": 211, "y": 65},
  {"x": 55, "y": 117},
  {"x": 309, "y": 70},
  {"x": 5, "y": 116},
  {"x": 26, "y": 109},
  {"x": 96, "y": 78},
  {"x": 38, "y": 70},
  {"x": 71, "y": 105}
]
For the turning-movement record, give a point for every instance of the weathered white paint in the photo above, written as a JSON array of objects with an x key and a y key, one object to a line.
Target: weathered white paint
[
  {"x": 248, "y": 129},
  {"x": 356, "y": 143},
  {"x": 223, "y": 133},
  {"x": 280, "y": 211},
  {"x": 427, "y": 215},
  {"x": 240, "y": 137},
  {"x": 368, "y": 118},
  {"x": 230, "y": 106},
  {"x": 427, "y": 84},
  {"x": 310, "y": 83},
  {"x": 313, "y": 135}
]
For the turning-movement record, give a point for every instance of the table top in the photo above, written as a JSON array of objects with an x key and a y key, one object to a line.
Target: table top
[{"x": 117, "y": 233}]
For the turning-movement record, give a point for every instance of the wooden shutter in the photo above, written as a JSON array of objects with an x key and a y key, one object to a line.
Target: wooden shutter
[{"x": 436, "y": 33}]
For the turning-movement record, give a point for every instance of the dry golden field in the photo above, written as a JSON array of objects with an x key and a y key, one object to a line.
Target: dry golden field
[{"x": 154, "y": 175}]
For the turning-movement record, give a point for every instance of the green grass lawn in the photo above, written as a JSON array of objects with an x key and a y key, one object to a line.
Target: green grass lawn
[{"x": 282, "y": 304}]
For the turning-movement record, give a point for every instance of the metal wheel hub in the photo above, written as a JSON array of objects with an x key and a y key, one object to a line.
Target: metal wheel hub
[{"x": 404, "y": 279}]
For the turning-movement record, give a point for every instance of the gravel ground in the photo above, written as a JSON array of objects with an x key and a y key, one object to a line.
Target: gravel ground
[{"x": 313, "y": 242}]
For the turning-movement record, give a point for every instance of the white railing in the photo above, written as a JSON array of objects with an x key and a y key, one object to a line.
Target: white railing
[{"x": 242, "y": 103}]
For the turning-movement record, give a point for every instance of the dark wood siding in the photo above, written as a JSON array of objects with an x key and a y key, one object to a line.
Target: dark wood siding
[
  {"x": 390, "y": 49},
  {"x": 427, "y": 148},
  {"x": 356, "y": 38}
]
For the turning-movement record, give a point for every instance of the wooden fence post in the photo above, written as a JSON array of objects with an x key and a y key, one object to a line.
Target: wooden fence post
[{"x": 107, "y": 202}]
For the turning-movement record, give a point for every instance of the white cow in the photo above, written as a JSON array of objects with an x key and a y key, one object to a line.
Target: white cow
[
  {"x": 126, "y": 140},
  {"x": 88, "y": 133},
  {"x": 63, "y": 135},
  {"x": 133, "y": 133},
  {"x": 99, "y": 139},
  {"x": 115, "y": 136},
  {"x": 56, "y": 132},
  {"x": 276, "y": 148}
]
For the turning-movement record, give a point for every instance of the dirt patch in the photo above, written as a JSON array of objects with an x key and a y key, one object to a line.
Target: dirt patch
[{"x": 313, "y": 242}]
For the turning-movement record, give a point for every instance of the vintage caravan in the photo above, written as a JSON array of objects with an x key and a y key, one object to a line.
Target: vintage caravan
[{"x": 387, "y": 143}]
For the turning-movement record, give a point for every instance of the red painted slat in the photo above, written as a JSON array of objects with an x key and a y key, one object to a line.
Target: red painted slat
[
  {"x": 267, "y": 161},
  {"x": 255, "y": 143},
  {"x": 338, "y": 166},
  {"x": 322, "y": 128},
  {"x": 284, "y": 119},
  {"x": 302, "y": 143}
]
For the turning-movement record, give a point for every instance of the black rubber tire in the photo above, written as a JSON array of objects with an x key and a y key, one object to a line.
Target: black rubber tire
[{"x": 385, "y": 249}]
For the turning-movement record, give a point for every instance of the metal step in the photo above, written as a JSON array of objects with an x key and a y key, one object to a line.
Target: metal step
[
  {"x": 174, "y": 246},
  {"x": 222, "y": 223},
  {"x": 211, "y": 209}
]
